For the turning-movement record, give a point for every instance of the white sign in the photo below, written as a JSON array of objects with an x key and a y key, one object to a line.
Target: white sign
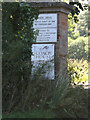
[
  {"x": 46, "y": 21},
  {"x": 43, "y": 53},
  {"x": 47, "y": 35},
  {"x": 47, "y": 26}
]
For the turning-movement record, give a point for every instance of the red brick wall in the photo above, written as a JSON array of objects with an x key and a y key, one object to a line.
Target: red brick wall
[{"x": 61, "y": 47}]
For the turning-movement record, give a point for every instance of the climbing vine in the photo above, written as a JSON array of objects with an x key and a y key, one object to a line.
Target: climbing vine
[{"x": 17, "y": 37}]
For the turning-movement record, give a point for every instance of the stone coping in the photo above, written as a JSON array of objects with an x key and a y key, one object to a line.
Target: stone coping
[{"x": 51, "y": 5}]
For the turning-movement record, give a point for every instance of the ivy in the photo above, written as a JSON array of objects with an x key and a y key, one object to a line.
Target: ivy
[{"x": 17, "y": 38}]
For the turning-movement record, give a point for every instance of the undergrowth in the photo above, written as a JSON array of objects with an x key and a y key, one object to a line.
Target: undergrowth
[{"x": 46, "y": 98}]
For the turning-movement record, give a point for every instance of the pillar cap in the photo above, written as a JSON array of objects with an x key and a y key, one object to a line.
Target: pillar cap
[{"x": 52, "y": 6}]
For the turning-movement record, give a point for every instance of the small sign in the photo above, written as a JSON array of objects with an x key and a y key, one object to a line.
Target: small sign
[
  {"x": 46, "y": 24},
  {"x": 46, "y": 21},
  {"x": 47, "y": 35},
  {"x": 44, "y": 54}
]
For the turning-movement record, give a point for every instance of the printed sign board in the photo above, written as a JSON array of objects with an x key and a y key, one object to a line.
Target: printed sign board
[
  {"x": 46, "y": 21},
  {"x": 47, "y": 35},
  {"x": 46, "y": 24},
  {"x": 44, "y": 54}
]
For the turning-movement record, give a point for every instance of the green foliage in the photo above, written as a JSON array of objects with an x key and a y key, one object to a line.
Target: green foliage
[
  {"x": 72, "y": 30},
  {"x": 78, "y": 6},
  {"x": 80, "y": 28},
  {"x": 78, "y": 70},
  {"x": 31, "y": 114},
  {"x": 54, "y": 99},
  {"x": 78, "y": 49},
  {"x": 50, "y": 99},
  {"x": 17, "y": 37},
  {"x": 82, "y": 25}
]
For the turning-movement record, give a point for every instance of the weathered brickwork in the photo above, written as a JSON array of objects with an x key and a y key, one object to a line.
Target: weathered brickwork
[{"x": 61, "y": 47}]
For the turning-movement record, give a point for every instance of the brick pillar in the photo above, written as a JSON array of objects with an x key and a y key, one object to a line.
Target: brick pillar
[{"x": 61, "y": 47}]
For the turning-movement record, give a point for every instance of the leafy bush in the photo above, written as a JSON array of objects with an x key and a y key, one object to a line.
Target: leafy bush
[
  {"x": 78, "y": 70},
  {"x": 78, "y": 48}
]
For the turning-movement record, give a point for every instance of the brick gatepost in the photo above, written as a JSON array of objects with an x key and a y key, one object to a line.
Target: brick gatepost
[{"x": 61, "y": 45}]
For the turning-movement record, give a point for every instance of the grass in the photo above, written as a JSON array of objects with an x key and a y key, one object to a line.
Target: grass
[
  {"x": 51, "y": 99},
  {"x": 64, "y": 102},
  {"x": 31, "y": 114}
]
